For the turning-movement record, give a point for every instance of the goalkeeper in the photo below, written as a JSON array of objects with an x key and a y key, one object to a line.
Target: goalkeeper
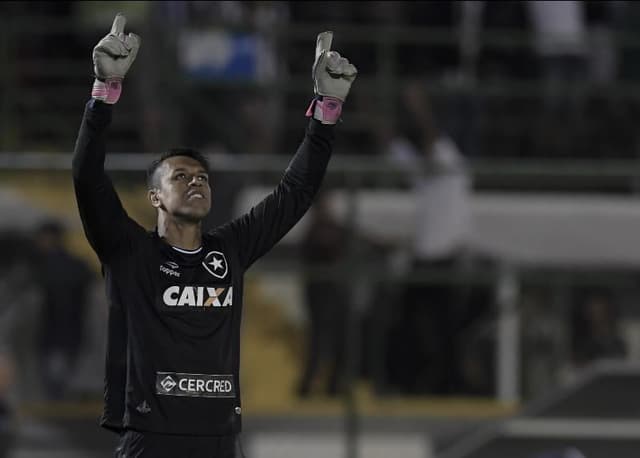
[{"x": 172, "y": 387}]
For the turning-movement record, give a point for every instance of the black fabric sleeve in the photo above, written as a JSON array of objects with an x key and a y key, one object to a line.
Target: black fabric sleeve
[
  {"x": 104, "y": 220},
  {"x": 257, "y": 231}
]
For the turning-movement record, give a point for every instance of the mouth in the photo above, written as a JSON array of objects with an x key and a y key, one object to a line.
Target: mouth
[{"x": 195, "y": 195}]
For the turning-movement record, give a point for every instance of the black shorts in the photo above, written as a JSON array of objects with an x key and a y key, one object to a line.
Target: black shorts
[{"x": 135, "y": 444}]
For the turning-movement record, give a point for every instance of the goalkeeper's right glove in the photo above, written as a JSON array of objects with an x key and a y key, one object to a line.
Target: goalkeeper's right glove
[
  {"x": 332, "y": 78},
  {"x": 112, "y": 57}
]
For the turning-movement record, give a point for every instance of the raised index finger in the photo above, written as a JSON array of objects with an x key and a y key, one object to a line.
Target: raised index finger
[
  {"x": 323, "y": 43},
  {"x": 118, "y": 24}
]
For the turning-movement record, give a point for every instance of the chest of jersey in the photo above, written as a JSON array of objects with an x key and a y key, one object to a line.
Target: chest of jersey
[{"x": 192, "y": 283}]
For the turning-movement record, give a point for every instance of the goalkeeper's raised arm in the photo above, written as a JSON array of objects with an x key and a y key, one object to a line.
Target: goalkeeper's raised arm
[
  {"x": 261, "y": 228},
  {"x": 103, "y": 217}
]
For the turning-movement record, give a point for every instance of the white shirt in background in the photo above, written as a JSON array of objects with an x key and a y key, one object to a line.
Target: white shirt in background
[
  {"x": 559, "y": 27},
  {"x": 443, "y": 212}
]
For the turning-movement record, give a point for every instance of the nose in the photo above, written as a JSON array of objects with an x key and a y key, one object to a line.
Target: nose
[{"x": 195, "y": 182}]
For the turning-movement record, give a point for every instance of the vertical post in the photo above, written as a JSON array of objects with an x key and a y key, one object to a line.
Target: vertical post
[{"x": 508, "y": 335}]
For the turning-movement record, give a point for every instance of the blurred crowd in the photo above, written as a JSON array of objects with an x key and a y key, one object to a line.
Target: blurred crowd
[
  {"x": 50, "y": 341},
  {"x": 525, "y": 79}
]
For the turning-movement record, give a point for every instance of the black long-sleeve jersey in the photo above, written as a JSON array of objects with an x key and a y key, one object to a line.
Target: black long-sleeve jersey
[{"x": 172, "y": 363}]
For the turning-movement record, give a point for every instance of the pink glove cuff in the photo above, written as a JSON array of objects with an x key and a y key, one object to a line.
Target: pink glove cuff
[
  {"x": 326, "y": 110},
  {"x": 108, "y": 91}
]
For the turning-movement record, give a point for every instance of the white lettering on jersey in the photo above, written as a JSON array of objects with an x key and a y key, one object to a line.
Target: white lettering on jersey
[
  {"x": 197, "y": 296},
  {"x": 193, "y": 385},
  {"x": 170, "y": 296}
]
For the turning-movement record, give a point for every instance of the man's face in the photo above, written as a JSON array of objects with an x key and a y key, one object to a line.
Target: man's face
[{"x": 182, "y": 188}]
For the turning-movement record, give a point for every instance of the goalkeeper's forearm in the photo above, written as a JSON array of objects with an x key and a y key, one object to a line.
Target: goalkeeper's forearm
[
  {"x": 101, "y": 212},
  {"x": 90, "y": 149}
]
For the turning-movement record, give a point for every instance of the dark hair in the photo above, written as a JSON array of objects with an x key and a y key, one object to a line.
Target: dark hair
[{"x": 198, "y": 156}]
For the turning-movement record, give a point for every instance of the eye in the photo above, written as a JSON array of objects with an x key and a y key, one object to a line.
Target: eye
[
  {"x": 180, "y": 176},
  {"x": 203, "y": 178}
]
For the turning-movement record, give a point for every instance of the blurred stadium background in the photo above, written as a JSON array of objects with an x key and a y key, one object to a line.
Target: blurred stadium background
[{"x": 466, "y": 285}]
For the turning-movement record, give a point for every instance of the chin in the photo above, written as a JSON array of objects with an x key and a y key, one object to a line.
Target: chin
[{"x": 193, "y": 215}]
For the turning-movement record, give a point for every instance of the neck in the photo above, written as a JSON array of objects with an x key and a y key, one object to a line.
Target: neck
[{"x": 179, "y": 233}]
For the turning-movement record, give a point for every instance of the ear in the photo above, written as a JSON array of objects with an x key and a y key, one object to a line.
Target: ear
[{"x": 154, "y": 198}]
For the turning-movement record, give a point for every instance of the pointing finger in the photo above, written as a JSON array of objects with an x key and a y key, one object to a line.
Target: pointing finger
[
  {"x": 323, "y": 43},
  {"x": 118, "y": 24}
]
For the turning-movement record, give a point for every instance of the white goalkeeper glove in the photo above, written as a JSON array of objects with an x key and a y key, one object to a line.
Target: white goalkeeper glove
[
  {"x": 112, "y": 57},
  {"x": 332, "y": 77}
]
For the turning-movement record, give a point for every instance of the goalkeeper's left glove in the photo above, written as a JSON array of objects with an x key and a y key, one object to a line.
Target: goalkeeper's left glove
[{"x": 332, "y": 78}]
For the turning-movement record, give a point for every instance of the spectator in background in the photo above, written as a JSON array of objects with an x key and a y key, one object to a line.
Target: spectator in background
[
  {"x": 440, "y": 177},
  {"x": 7, "y": 416},
  {"x": 611, "y": 132},
  {"x": 18, "y": 313},
  {"x": 595, "y": 333},
  {"x": 627, "y": 23},
  {"x": 13, "y": 281},
  {"x": 560, "y": 42},
  {"x": 601, "y": 19},
  {"x": 228, "y": 51},
  {"x": 327, "y": 299},
  {"x": 561, "y": 45},
  {"x": 432, "y": 312},
  {"x": 64, "y": 281}
]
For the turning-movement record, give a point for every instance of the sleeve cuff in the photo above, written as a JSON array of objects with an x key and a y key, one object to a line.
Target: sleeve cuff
[
  {"x": 315, "y": 127},
  {"x": 98, "y": 110}
]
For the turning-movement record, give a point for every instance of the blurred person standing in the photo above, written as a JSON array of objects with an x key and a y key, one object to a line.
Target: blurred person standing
[
  {"x": 64, "y": 281},
  {"x": 595, "y": 332},
  {"x": 7, "y": 413},
  {"x": 562, "y": 49},
  {"x": 441, "y": 186},
  {"x": 324, "y": 246},
  {"x": 560, "y": 41},
  {"x": 15, "y": 323},
  {"x": 19, "y": 312},
  {"x": 175, "y": 292},
  {"x": 230, "y": 55}
]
